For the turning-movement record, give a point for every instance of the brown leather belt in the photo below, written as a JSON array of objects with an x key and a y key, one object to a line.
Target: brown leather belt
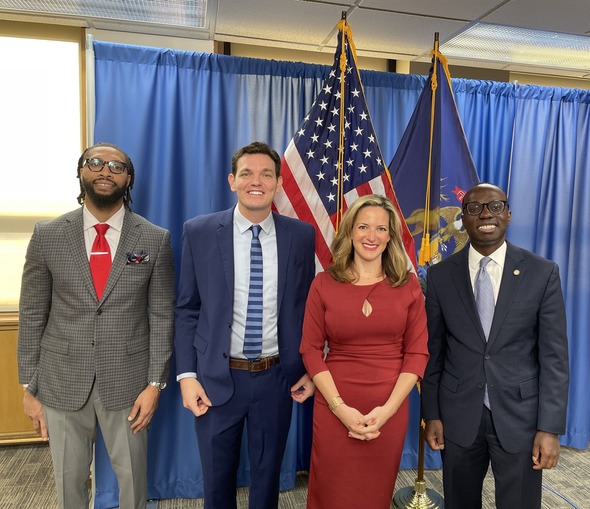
[{"x": 254, "y": 366}]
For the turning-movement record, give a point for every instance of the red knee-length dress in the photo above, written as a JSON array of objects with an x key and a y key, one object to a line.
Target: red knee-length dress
[{"x": 366, "y": 355}]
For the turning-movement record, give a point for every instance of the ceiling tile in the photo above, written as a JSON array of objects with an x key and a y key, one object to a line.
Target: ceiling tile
[
  {"x": 568, "y": 16},
  {"x": 450, "y": 9}
]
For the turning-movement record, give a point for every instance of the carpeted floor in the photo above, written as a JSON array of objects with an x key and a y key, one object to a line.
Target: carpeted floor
[{"x": 26, "y": 482}]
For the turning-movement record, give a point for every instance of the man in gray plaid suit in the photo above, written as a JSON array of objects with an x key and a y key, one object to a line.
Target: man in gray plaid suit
[{"x": 85, "y": 359}]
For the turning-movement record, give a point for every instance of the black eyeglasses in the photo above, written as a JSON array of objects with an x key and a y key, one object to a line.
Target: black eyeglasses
[
  {"x": 496, "y": 207},
  {"x": 95, "y": 164}
]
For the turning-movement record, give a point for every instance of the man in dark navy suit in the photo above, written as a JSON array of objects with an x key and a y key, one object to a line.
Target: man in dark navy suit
[
  {"x": 496, "y": 385},
  {"x": 222, "y": 383}
]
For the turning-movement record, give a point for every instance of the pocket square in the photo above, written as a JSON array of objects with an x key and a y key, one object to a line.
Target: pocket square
[{"x": 142, "y": 257}]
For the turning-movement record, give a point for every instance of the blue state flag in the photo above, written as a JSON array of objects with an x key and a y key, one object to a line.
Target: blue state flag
[
  {"x": 431, "y": 171},
  {"x": 433, "y": 168}
]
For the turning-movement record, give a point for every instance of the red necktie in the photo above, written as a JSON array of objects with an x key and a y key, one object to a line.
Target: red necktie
[{"x": 100, "y": 259}]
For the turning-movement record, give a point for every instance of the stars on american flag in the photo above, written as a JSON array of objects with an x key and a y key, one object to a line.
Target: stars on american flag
[
  {"x": 318, "y": 138},
  {"x": 334, "y": 156}
]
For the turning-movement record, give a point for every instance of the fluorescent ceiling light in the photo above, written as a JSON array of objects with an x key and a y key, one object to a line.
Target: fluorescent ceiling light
[
  {"x": 181, "y": 13},
  {"x": 498, "y": 43}
]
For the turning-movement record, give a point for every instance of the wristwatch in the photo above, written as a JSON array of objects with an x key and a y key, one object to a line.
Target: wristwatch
[{"x": 158, "y": 385}]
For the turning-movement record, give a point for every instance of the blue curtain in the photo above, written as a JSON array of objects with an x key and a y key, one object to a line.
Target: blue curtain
[
  {"x": 487, "y": 109},
  {"x": 548, "y": 194},
  {"x": 181, "y": 115}
]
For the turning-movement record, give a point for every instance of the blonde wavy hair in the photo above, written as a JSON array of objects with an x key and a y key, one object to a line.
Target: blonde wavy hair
[{"x": 393, "y": 260}]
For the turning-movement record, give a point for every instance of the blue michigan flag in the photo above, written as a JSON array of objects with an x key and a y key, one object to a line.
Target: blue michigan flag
[{"x": 432, "y": 169}]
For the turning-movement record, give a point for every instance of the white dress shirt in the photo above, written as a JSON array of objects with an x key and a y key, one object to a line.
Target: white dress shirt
[
  {"x": 113, "y": 234},
  {"x": 242, "y": 241},
  {"x": 495, "y": 267}
]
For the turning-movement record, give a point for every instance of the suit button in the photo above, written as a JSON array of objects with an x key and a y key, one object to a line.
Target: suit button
[
  {"x": 99, "y": 312},
  {"x": 224, "y": 355},
  {"x": 480, "y": 386},
  {"x": 92, "y": 342},
  {"x": 487, "y": 357}
]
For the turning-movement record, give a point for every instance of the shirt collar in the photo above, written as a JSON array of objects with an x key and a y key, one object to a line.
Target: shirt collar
[
  {"x": 498, "y": 256},
  {"x": 244, "y": 224},
  {"x": 115, "y": 221}
]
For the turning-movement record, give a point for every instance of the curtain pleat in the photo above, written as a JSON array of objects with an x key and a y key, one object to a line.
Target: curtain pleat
[{"x": 181, "y": 115}]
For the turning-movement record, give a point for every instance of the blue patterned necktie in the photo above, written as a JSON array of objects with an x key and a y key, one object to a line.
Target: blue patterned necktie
[
  {"x": 253, "y": 332},
  {"x": 484, "y": 296}
]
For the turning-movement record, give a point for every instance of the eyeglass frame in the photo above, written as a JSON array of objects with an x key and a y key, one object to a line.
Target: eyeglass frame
[
  {"x": 109, "y": 164},
  {"x": 505, "y": 202}
]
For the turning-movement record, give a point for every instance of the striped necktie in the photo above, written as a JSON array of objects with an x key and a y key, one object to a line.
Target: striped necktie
[
  {"x": 253, "y": 332},
  {"x": 100, "y": 259}
]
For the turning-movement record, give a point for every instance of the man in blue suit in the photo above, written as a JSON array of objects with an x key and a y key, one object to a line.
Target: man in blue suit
[
  {"x": 223, "y": 386},
  {"x": 496, "y": 385}
]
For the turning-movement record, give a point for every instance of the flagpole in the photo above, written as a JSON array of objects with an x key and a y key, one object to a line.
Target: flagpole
[
  {"x": 425, "y": 247},
  {"x": 421, "y": 497},
  {"x": 418, "y": 497},
  {"x": 340, "y": 196}
]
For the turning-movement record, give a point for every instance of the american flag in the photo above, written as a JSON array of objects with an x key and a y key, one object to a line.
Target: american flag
[{"x": 320, "y": 179}]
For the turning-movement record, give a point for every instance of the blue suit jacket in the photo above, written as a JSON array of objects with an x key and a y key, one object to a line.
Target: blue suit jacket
[
  {"x": 204, "y": 309},
  {"x": 524, "y": 361}
]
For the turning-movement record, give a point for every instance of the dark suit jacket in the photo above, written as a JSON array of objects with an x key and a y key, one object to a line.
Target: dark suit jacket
[
  {"x": 67, "y": 337},
  {"x": 524, "y": 362},
  {"x": 204, "y": 311}
]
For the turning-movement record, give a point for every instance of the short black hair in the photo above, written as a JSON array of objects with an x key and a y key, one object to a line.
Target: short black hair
[{"x": 257, "y": 147}]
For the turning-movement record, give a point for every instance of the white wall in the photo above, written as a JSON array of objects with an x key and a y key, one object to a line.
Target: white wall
[{"x": 157, "y": 41}]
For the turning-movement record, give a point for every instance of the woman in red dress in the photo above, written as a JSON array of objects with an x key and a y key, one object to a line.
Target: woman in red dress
[{"x": 368, "y": 309}]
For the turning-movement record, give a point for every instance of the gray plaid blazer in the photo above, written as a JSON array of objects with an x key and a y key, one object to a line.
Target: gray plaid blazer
[{"x": 67, "y": 339}]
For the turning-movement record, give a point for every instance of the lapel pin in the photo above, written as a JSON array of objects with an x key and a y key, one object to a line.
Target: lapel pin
[{"x": 516, "y": 272}]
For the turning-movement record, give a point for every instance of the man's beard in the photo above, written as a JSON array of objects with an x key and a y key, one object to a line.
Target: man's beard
[{"x": 102, "y": 201}]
